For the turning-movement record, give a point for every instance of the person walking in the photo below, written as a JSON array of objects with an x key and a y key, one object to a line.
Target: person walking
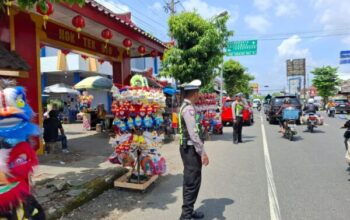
[
  {"x": 237, "y": 116},
  {"x": 51, "y": 127},
  {"x": 192, "y": 151}
]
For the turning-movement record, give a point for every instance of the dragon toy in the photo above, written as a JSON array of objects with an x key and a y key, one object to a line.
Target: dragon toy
[{"x": 17, "y": 156}]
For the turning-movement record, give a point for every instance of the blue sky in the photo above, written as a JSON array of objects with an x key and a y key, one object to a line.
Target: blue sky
[{"x": 313, "y": 29}]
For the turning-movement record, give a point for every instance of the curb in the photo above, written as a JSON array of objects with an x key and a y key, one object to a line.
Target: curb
[{"x": 89, "y": 190}]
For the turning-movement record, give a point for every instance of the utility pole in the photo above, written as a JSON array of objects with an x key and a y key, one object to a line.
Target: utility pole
[{"x": 170, "y": 7}]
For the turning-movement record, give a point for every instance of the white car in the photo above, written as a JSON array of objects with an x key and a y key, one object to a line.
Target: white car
[{"x": 256, "y": 102}]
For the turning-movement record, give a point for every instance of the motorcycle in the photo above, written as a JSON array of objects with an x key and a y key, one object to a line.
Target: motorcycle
[
  {"x": 311, "y": 122},
  {"x": 290, "y": 129},
  {"x": 290, "y": 116},
  {"x": 347, "y": 141},
  {"x": 331, "y": 112},
  {"x": 258, "y": 107}
]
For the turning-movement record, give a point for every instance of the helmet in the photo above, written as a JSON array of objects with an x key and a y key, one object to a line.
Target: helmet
[
  {"x": 287, "y": 101},
  {"x": 311, "y": 101}
]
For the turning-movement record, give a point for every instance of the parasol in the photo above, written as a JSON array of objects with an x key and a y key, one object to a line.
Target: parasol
[{"x": 95, "y": 83}]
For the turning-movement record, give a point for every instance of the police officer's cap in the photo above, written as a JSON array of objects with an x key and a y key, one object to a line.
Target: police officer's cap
[
  {"x": 239, "y": 95},
  {"x": 194, "y": 85}
]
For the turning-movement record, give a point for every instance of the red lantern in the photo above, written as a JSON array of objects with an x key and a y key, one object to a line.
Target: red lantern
[
  {"x": 127, "y": 44},
  {"x": 84, "y": 57},
  {"x": 45, "y": 11},
  {"x": 142, "y": 50},
  {"x": 79, "y": 23},
  {"x": 65, "y": 52},
  {"x": 154, "y": 53},
  {"x": 101, "y": 61},
  {"x": 107, "y": 35}
]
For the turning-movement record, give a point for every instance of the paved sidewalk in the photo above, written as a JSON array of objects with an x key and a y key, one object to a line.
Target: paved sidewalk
[{"x": 65, "y": 181}]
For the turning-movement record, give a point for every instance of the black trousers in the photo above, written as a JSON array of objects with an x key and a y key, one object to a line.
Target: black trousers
[
  {"x": 237, "y": 129},
  {"x": 192, "y": 179}
]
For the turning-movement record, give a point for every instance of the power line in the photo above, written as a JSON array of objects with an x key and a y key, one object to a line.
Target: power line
[
  {"x": 301, "y": 37},
  {"x": 155, "y": 21},
  {"x": 295, "y": 32},
  {"x": 139, "y": 19}
]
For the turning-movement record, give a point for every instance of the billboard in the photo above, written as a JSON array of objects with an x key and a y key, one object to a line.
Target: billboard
[
  {"x": 296, "y": 67},
  {"x": 294, "y": 85},
  {"x": 255, "y": 88}
]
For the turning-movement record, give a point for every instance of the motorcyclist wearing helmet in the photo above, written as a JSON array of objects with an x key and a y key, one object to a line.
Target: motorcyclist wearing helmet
[
  {"x": 310, "y": 107},
  {"x": 286, "y": 104}
]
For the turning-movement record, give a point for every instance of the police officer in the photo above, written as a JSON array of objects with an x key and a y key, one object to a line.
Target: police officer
[
  {"x": 237, "y": 116},
  {"x": 192, "y": 151}
]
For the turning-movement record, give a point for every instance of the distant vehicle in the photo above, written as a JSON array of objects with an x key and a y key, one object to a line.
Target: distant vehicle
[
  {"x": 226, "y": 115},
  {"x": 256, "y": 103},
  {"x": 275, "y": 105},
  {"x": 342, "y": 105}
]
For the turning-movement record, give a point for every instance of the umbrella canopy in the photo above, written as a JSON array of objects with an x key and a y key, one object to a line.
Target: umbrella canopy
[
  {"x": 61, "y": 88},
  {"x": 95, "y": 82}
]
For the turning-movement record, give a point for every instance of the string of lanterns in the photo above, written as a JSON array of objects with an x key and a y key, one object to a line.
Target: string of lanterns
[{"x": 46, "y": 9}]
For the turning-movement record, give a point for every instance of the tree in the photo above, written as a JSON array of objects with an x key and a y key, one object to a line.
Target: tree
[
  {"x": 29, "y": 4},
  {"x": 199, "y": 48},
  {"x": 326, "y": 81},
  {"x": 236, "y": 79}
]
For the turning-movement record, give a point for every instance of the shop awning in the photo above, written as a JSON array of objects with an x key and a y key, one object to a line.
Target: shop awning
[
  {"x": 61, "y": 88},
  {"x": 11, "y": 64}
]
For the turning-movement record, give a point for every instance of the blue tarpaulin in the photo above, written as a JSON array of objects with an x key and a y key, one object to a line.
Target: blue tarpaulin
[{"x": 169, "y": 91}]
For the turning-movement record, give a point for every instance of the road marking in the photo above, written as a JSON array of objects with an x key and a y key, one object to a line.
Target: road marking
[{"x": 273, "y": 200}]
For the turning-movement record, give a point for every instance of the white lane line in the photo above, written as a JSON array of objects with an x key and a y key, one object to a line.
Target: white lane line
[{"x": 273, "y": 201}]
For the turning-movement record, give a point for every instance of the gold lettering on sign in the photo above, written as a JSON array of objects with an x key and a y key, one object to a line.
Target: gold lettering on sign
[
  {"x": 66, "y": 36},
  {"x": 106, "y": 50},
  {"x": 89, "y": 43}
]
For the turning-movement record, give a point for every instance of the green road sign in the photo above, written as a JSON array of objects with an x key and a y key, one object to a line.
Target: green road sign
[{"x": 242, "y": 48}]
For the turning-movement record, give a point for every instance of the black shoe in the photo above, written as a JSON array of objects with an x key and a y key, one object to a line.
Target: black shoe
[
  {"x": 235, "y": 142},
  {"x": 197, "y": 215},
  {"x": 240, "y": 141}
]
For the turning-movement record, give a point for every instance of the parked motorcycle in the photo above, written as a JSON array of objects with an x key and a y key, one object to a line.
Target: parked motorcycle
[
  {"x": 311, "y": 122},
  {"x": 331, "y": 112}
]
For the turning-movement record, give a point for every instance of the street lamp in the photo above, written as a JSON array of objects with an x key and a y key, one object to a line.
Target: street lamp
[{"x": 221, "y": 14}]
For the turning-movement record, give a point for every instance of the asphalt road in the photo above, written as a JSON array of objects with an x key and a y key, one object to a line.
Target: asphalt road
[{"x": 266, "y": 177}]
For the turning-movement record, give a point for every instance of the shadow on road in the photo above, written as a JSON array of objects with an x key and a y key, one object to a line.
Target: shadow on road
[
  {"x": 215, "y": 208},
  {"x": 317, "y": 131}
]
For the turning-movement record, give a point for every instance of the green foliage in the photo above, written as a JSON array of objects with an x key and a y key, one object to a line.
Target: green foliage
[
  {"x": 236, "y": 79},
  {"x": 326, "y": 80},
  {"x": 29, "y": 4},
  {"x": 198, "y": 50}
]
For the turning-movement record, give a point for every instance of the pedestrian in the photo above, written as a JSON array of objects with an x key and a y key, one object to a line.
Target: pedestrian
[
  {"x": 192, "y": 151},
  {"x": 51, "y": 127},
  {"x": 237, "y": 117}
]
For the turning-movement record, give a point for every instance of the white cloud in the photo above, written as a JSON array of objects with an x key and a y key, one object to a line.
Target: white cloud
[
  {"x": 208, "y": 11},
  {"x": 281, "y": 7},
  {"x": 290, "y": 48},
  {"x": 333, "y": 16},
  {"x": 257, "y": 22},
  {"x": 263, "y": 4},
  {"x": 285, "y": 8},
  {"x": 157, "y": 6},
  {"x": 114, "y": 6}
]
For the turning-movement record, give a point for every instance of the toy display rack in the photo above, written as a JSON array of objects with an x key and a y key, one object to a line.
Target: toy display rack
[
  {"x": 142, "y": 185},
  {"x": 123, "y": 182}
]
